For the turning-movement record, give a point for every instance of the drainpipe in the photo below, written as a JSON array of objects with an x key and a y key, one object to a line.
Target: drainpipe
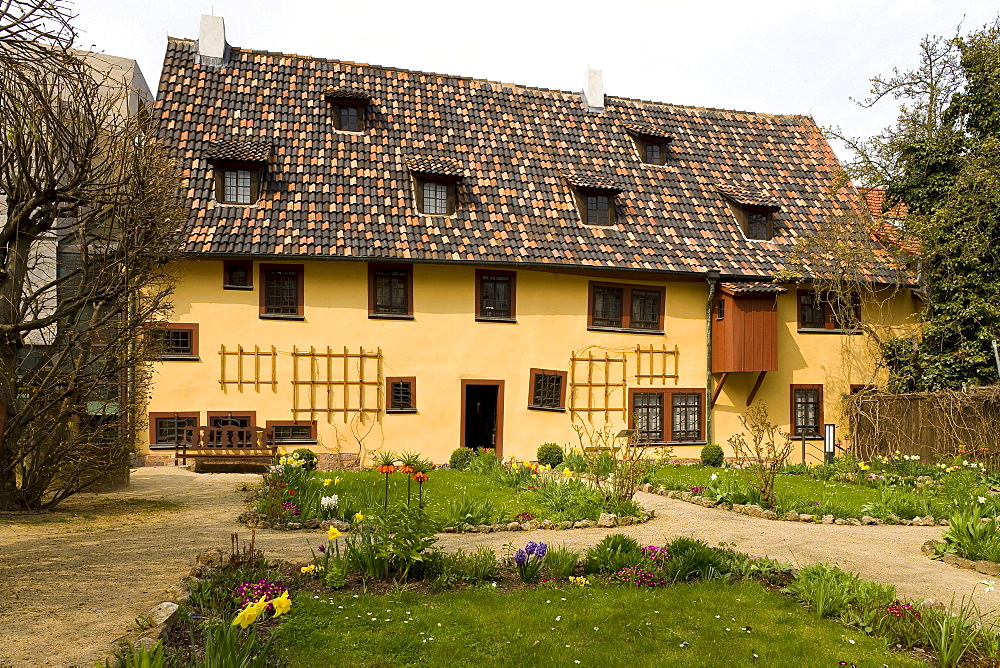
[{"x": 712, "y": 277}]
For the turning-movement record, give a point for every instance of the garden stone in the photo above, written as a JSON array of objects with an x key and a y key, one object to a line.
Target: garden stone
[
  {"x": 181, "y": 592},
  {"x": 769, "y": 515},
  {"x": 606, "y": 520},
  {"x": 868, "y": 520},
  {"x": 930, "y": 521},
  {"x": 828, "y": 519},
  {"x": 499, "y": 527},
  {"x": 792, "y": 516},
  {"x": 566, "y": 524},
  {"x": 807, "y": 518},
  {"x": 906, "y": 523},
  {"x": 661, "y": 490},
  {"x": 739, "y": 508},
  {"x": 754, "y": 511},
  {"x": 265, "y": 525},
  {"x": 928, "y": 547},
  {"x": 988, "y": 568},
  {"x": 484, "y": 528},
  {"x": 294, "y": 525},
  {"x": 162, "y": 618},
  {"x": 468, "y": 527},
  {"x": 944, "y": 523},
  {"x": 210, "y": 558},
  {"x": 673, "y": 494},
  {"x": 706, "y": 502},
  {"x": 646, "y": 488},
  {"x": 547, "y": 524},
  {"x": 624, "y": 521},
  {"x": 312, "y": 523},
  {"x": 448, "y": 530},
  {"x": 840, "y": 521},
  {"x": 722, "y": 505},
  {"x": 686, "y": 496},
  {"x": 144, "y": 644},
  {"x": 854, "y": 521},
  {"x": 531, "y": 525},
  {"x": 514, "y": 526},
  {"x": 895, "y": 519},
  {"x": 579, "y": 525}
]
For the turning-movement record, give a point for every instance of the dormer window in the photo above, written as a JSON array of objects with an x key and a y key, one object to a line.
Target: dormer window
[
  {"x": 651, "y": 142},
  {"x": 599, "y": 208},
  {"x": 238, "y": 166},
  {"x": 753, "y": 209},
  {"x": 653, "y": 153},
  {"x": 596, "y": 197},
  {"x": 348, "y": 108},
  {"x": 435, "y": 184}
]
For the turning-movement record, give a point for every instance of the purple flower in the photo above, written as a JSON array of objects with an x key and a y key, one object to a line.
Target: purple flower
[
  {"x": 540, "y": 550},
  {"x": 530, "y": 548},
  {"x": 520, "y": 557},
  {"x": 321, "y": 548}
]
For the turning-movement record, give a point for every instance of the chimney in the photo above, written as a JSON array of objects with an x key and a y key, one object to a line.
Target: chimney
[
  {"x": 593, "y": 91},
  {"x": 212, "y": 47}
]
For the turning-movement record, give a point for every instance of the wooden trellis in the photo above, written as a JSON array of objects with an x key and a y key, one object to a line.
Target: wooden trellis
[
  {"x": 337, "y": 382},
  {"x": 653, "y": 359},
  {"x": 602, "y": 381},
  {"x": 262, "y": 369}
]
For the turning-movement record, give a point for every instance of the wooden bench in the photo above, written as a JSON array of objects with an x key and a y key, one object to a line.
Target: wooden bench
[{"x": 234, "y": 444}]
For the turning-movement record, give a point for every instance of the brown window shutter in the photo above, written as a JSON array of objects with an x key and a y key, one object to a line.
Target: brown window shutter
[
  {"x": 220, "y": 183},
  {"x": 255, "y": 175}
]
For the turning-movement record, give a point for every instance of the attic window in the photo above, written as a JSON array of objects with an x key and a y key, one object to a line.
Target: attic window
[
  {"x": 596, "y": 197},
  {"x": 651, "y": 142},
  {"x": 347, "y": 108},
  {"x": 753, "y": 209},
  {"x": 435, "y": 184},
  {"x": 238, "y": 166}
]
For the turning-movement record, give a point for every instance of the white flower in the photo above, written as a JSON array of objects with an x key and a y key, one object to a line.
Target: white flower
[
  {"x": 714, "y": 476},
  {"x": 981, "y": 499},
  {"x": 329, "y": 501},
  {"x": 988, "y": 585}
]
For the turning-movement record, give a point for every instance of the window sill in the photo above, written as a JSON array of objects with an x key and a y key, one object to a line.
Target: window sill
[
  {"x": 675, "y": 443},
  {"x": 281, "y": 316},
  {"x": 510, "y": 321},
  {"x": 237, "y": 287},
  {"x": 624, "y": 330},
  {"x": 180, "y": 358},
  {"x": 162, "y": 446},
  {"x": 293, "y": 442},
  {"x": 400, "y": 411},
  {"x": 547, "y": 409},
  {"x": 389, "y": 316},
  {"x": 816, "y": 330},
  {"x": 808, "y": 438}
]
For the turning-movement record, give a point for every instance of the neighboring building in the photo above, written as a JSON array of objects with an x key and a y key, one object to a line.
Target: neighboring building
[{"x": 420, "y": 261}]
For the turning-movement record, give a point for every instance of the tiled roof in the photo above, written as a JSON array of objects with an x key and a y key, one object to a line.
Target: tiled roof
[
  {"x": 245, "y": 150},
  {"x": 346, "y": 93},
  {"x": 748, "y": 195},
  {"x": 875, "y": 200},
  {"x": 751, "y": 288},
  {"x": 584, "y": 179},
  {"x": 330, "y": 194},
  {"x": 886, "y": 224},
  {"x": 648, "y": 130},
  {"x": 427, "y": 164}
]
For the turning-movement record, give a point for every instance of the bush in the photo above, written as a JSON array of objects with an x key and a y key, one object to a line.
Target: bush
[
  {"x": 308, "y": 458},
  {"x": 615, "y": 553},
  {"x": 560, "y": 562},
  {"x": 460, "y": 458},
  {"x": 690, "y": 558},
  {"x": 712, "y": 455},
  {"x": 470, "y": 511},
  {"x": 473, "y": 568},
  {"x": 549, "y": 454}
]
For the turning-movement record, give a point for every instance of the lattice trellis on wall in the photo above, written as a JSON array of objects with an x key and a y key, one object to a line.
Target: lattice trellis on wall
[
  {"x": 242, "y": 366},
  {"x": 325, "y": 381},
  {"x": 599, "y": 383}
]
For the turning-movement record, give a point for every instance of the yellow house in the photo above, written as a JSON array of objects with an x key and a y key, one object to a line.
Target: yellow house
[{"x": 382, "y": 258}]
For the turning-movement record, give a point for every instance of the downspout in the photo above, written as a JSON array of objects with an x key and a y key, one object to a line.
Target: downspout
[{"x": 712, "y": 276}]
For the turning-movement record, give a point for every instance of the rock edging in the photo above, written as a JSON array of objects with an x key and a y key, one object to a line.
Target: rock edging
[
  {"x": 606, "y": 520},
  {"x": 790, "y": 516},
  {"x": 991, "y": 568}
]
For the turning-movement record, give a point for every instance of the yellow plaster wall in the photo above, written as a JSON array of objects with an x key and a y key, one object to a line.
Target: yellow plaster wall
[{"x": 444, "y": 344}]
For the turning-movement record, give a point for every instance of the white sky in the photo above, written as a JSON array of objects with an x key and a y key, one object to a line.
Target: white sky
[{"x": 778, "y": 56}]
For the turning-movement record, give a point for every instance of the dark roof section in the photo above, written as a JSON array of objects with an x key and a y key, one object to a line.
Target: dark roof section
[
  {"x": 644, "y": 130},
  {"x": 584, "y": 179},
  {"x": 339, "y": 195},
  {"x": 748, "y": 195},
  {"x": 434, "y": 165},
  {"x": 346, "y": 93},
  {"x": 237, "y": 149},
  {"x": 752, "y": 289}
]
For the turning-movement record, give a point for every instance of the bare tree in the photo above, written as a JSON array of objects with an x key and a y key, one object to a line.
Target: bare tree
[{"x": 88, "y": 225}]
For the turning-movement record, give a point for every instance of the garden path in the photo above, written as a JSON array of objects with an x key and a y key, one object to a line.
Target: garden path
[{"x": 72, "y": 581}]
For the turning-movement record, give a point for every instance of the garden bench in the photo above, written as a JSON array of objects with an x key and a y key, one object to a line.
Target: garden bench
[{"x": 231, "y": 444}]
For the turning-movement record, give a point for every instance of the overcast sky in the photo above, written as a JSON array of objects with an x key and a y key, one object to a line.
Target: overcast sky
[{"x": 778, "y": 56}]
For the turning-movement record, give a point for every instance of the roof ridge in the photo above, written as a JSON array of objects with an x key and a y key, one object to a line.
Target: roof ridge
[{"x": 490, "y": 81}]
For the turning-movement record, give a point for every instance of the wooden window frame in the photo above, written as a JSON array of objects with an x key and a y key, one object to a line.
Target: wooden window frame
[
  {"x": 532, "y": 374},
  {"x": 483, "y": 273},
  {"x": 256, "y": 169},
  {"x": 500, "y": 384},
  {"x": 720, "y": 309},
  {"x": 412, "y": 380},
  {"x": 229, "y": 264},
  {"x": 337, "y": 103},
  {"x": 829, "y": 321},
  {"x": 300, "y": 291},
  {"x": 193, "y": 328},
  {"x": 643, "y": 142},
  {"x": 236, "y": 414},
  {"x": 161, "y": 415},
  {"x": 581, "y": 194},
  {"x": 373, "y": 269},
  {"x": 793, "y": 427},
  {"x": 451, "y": 183},
  {"x": 312, "y": 440},
  {"x": 626, "y": 307},
  {"x": 668, "y": 416}
]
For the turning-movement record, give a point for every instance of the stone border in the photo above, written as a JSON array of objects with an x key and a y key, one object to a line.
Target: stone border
[
  {"x": 985, "y": 567},
  {"x": 606, "y": 520},
  {"x": 790, "y": 516}
]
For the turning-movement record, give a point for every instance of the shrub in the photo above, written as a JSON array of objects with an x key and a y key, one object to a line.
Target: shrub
[
  {"x": 712, "y": 455},
  {"x": 460, "y": 458},
  {"x": 613, "y": 554},
  {"x": 690, "y": 558},
  {"x": 549, "y": 454},
  {"x": 308, "y": 458},
  {"x": 972, "y": 538},
  {"x": 470, "y": 511},
  {"x": 561, "y": 562},
  {"x": 460, "y": 567}
]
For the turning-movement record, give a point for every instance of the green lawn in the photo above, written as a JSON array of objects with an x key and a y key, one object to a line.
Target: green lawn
[
  {"x": 702, "y": 624},
  {"x": 811, "y": 496}
]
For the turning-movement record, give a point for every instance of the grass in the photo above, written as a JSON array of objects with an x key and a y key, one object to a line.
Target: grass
[
  {"x": 818, "y": 497},
  {"x": 702, "y": 624}
]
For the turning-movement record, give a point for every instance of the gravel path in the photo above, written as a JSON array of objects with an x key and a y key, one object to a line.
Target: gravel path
[{"x": 71, "y": 582}]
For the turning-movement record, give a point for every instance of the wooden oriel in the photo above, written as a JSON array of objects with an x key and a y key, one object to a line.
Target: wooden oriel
[{"x": 746, "y": 337}]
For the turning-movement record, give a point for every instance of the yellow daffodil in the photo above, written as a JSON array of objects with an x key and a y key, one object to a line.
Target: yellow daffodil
[
  {"x": 336, "y": 481},
  {"x": 326, "y": 481},
  {"x": 282, "y": 604},
  {"x": 332, "y": 533},
  {"x": 567, "y": 472},
  {"x": 246, "y": 617},
  {"x": 358, "y": 517},
  {"x": 311, "y": 568}
]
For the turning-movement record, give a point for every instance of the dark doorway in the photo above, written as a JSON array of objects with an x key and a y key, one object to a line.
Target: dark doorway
[{"x": 482, "y": 415}]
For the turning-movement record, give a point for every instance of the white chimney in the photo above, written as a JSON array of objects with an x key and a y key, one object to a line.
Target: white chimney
[
  {"x": 593, "y": 91},
  {"x": 212, "y": 47}
]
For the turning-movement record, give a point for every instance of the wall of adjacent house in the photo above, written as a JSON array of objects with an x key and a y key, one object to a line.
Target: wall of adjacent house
[{"x": 444, "y": 344}]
